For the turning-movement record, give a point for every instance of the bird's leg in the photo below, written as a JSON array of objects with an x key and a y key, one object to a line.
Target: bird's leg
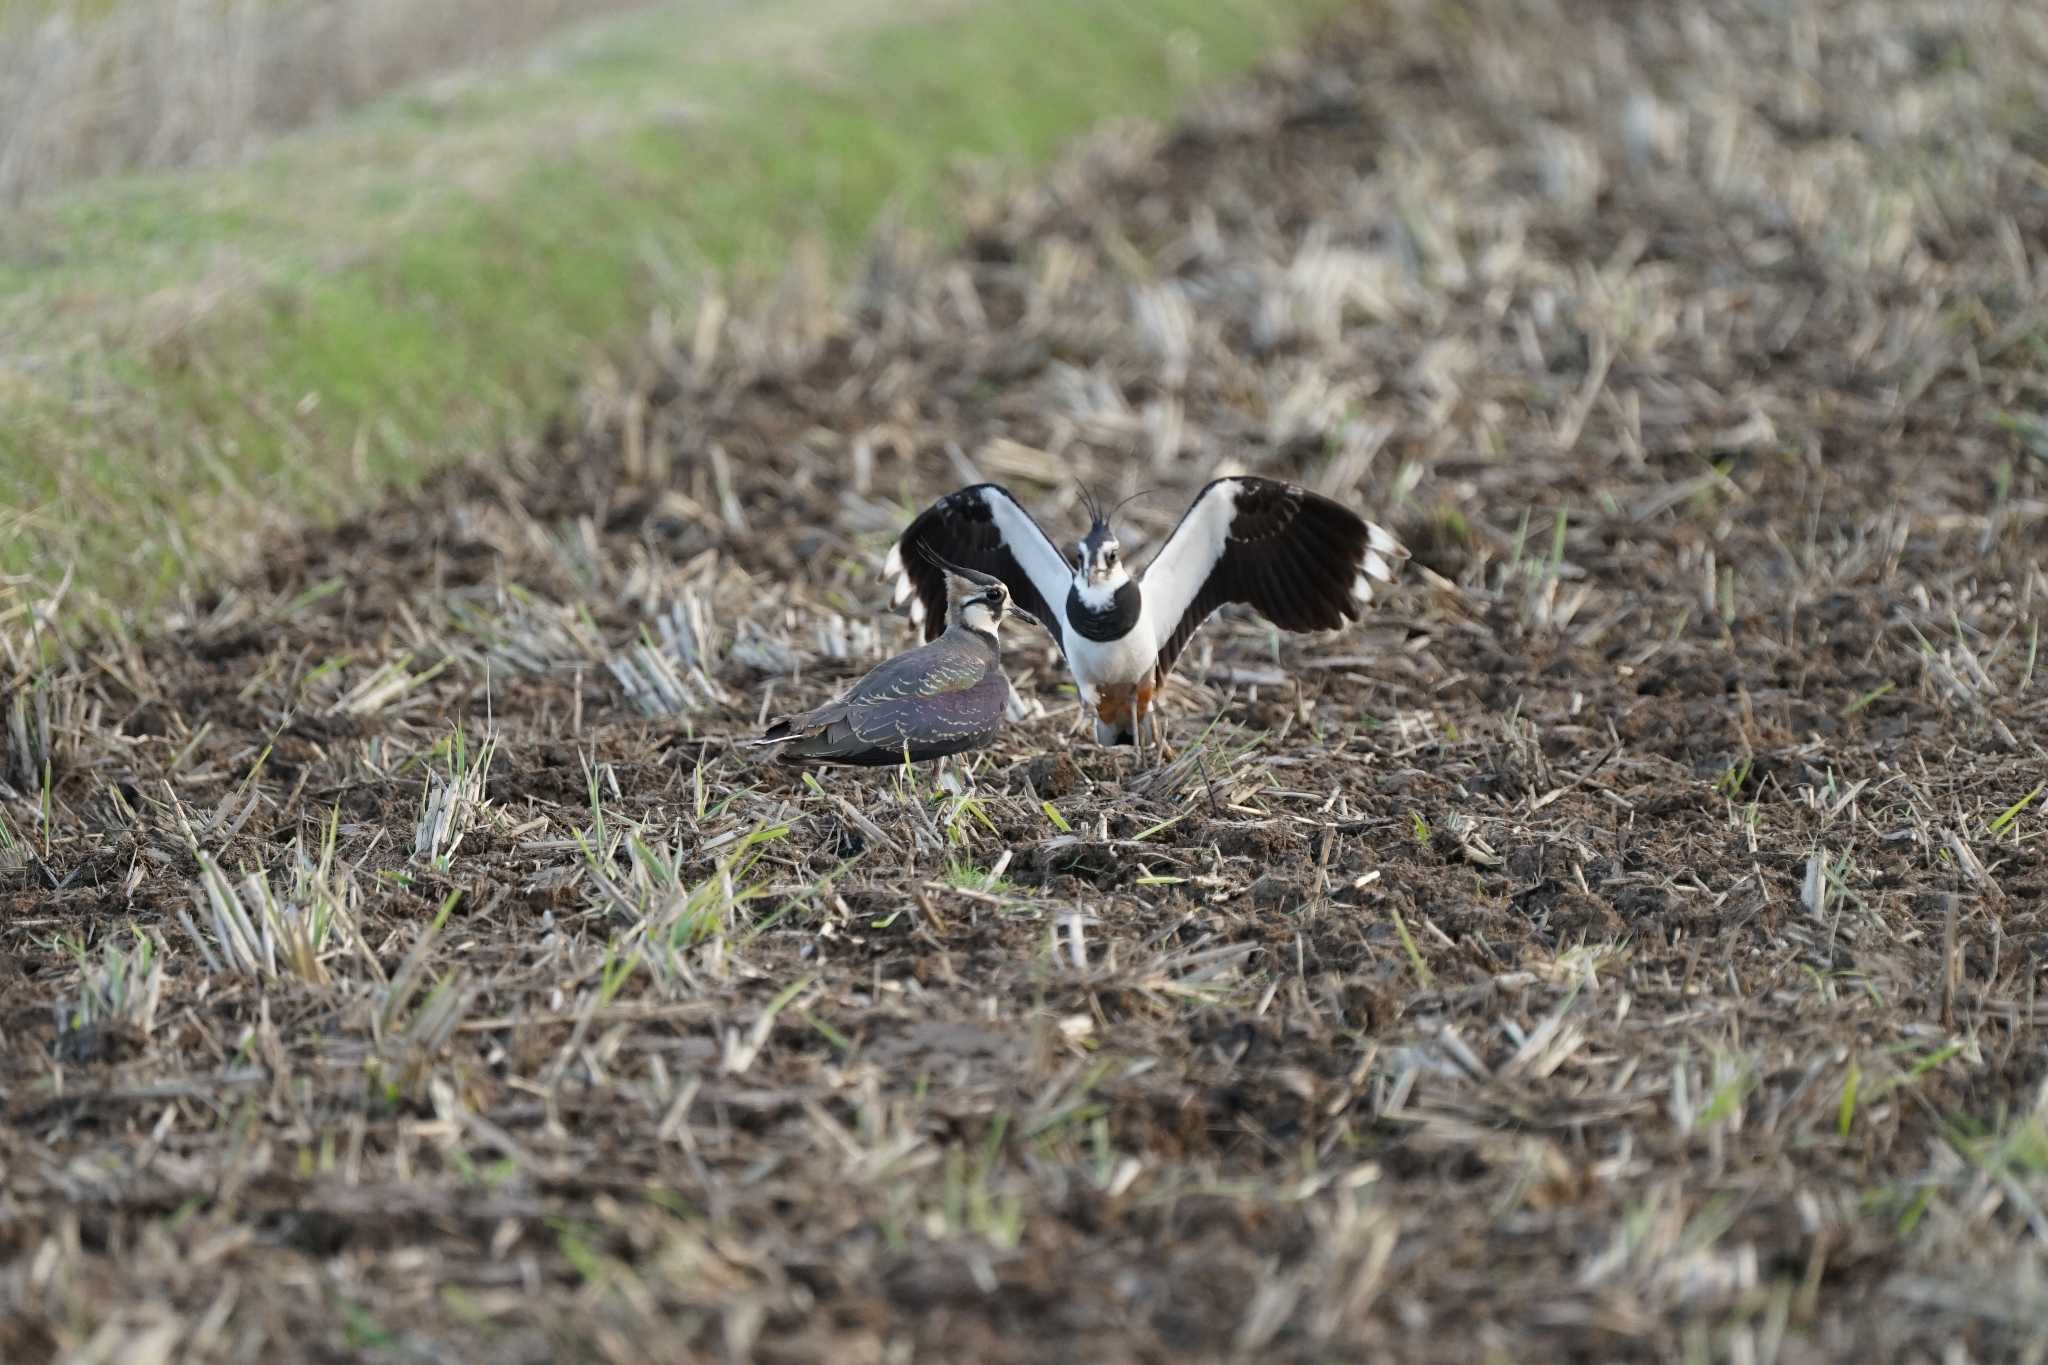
[
  {"x": 1143, "y": 713},
  {"x": 1159, "y": 744}
]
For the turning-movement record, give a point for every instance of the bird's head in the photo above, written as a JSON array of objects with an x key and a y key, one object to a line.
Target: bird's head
[
  {"x": 976, "y": 600},
  {"x": 1098, "y": 557}
]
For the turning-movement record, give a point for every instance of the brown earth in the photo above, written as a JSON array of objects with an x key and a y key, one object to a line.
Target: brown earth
[{"x": 1624, "y": 945}]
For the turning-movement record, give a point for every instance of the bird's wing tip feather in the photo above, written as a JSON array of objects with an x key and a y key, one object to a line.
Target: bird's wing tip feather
[
  {"x": 1381, "y": 563},
  {"x": 1381, "y": 539},
  {"x": 894, "y": 567}
]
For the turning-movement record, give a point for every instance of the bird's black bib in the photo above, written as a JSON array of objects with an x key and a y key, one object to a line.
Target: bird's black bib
[{"x": 1112, "y": 622}]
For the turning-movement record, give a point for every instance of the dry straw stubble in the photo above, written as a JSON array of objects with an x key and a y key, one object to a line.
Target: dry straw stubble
[{"x": 1624, "y": 945}]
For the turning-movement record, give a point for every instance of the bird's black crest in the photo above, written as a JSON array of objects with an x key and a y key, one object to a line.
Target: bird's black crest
[
  {"x": 1097, "y": 521},
  {"x": 974, "y": 576}
]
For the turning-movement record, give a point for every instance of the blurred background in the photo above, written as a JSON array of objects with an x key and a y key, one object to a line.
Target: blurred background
[
  {"x": 262, "y": 259},
  {"x": 95, "y": 87}
]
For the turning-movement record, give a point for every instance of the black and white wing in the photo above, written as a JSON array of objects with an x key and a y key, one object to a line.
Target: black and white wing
[
  {"x": 1298, "y": 559},
  {"x": 980, "y": 527}
]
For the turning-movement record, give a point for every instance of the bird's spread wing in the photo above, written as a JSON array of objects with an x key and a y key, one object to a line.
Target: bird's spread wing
[
  {"x": 1295, "y": 557},
  {"x": 981, "y": 527}
]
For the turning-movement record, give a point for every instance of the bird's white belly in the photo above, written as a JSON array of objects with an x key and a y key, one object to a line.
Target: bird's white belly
[{"x": 1098, "y": 663}]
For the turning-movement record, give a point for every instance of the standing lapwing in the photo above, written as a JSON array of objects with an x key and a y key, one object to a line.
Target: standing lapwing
[
  {"x": 1295, "y": 557},
  {"x": 941, "y": 698}
]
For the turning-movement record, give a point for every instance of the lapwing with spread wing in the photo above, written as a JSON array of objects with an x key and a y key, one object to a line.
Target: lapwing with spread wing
[{"x": 1297, "y": 558}]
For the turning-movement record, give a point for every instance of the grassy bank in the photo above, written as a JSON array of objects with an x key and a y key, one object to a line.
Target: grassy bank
[
  {"x": 192, "y": 357},
  {"x": 101, "y": 87}
]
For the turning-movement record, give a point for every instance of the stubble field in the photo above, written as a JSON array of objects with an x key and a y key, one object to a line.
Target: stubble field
[{"x": 1623, "y": 945}]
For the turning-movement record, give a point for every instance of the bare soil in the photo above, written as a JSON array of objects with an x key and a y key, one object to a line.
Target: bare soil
[{"x": 1624, "y": 945}]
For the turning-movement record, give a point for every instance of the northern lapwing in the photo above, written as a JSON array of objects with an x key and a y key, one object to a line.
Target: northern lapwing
[
  {"x": 944, "y": 697},
  {"x": 1297, "y": 558}
]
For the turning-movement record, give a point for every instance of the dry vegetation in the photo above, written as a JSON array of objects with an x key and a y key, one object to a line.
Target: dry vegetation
[
  {"x": 1626, "y": 946},
  {"x": 150, "y": 84}
]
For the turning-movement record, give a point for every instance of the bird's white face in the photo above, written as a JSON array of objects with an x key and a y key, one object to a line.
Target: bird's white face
[
  {"x": 1099, "y": 563},
  {"x": 985, "y": 609}
]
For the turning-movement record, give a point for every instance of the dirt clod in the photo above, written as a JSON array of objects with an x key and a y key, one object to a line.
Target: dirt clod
[{"x": 1053, "y": 775}]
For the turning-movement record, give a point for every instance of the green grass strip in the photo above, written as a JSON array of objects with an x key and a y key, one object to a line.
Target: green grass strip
[{"x": 193, "y": 355}]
